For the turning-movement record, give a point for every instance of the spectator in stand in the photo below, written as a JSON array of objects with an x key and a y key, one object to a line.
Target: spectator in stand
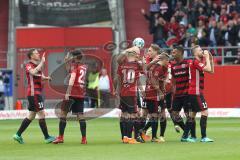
[
  {"x": 164, "y": 10},
  {"x": 154, "y": 6},
  {"x": 151, "y": 18},
  {"x": 201, "y": 14},
  {"x": 181, "y": 36},
  {"x": 159, "y": 32},
  {"x": 105, "y": 87},
  {"x": 238, "y": 31},
  {"x": 206, "y": 22},
  {"x": 172, "y": 28},
  {"x": 233, "y": 7},
  {"x": 209, "y": 7},
  {"x": 230, "y": 34},
  {"x": 216, "y": 9},
  {"x": 92, "y": 87},
  {"x": 224, "y": 16},
  {"x": 202, "y": 33},
  {"x": 214, "y": 34}
]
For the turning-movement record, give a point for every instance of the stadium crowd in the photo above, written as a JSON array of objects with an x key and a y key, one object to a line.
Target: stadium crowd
[{"x": 209, "y": 23}]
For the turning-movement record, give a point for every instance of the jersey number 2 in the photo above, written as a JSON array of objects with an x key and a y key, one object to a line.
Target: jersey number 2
[{"x": 82, "y": 76}]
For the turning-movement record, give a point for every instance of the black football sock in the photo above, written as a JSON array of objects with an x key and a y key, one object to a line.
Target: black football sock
[
  {"x": 147, "y": 125},
  {"x": 83, "y": 127},
  {"x": 154, "y": 123},
  {"x": 193, "y": 129},
  {"x": 172, "y": 117},
  {"x": 121, "y": 127},
  {"x": 180, "y": 122},
  {"x": 130, "y": 124},
  {"x": 124, "y": 127},
  {"x": 143, "y": 122},
  {"x": 23, "y": 127},
  {"x": 187, "y": 127},
  {"x": 62, "y": 125},
  {"x": 203, "y": 125},
  {"x": 163, "y": 125},
  {"x": 137, "y": 125},
  {"x": 43, "y": 126}
]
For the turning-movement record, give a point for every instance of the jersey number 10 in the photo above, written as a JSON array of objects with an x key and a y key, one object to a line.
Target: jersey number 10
[{"x": 128, "y": 75}]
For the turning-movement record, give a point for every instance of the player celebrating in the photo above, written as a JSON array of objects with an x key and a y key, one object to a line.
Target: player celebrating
[
  {"x": 196, "y": 86},
  {"x": 180, "y": 75},
  {"x": 34, "y": 95},
  {"x": 74, "y": 96},
  {"x": 128, "y": 75},
  {"x": 156, "y": 76}
]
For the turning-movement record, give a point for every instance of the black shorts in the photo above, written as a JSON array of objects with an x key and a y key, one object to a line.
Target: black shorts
[
  {"x": 76, "y": 105},
  {"x": 168, "y": 100},
  {"x": 155, "y": 106},
  {"x": 35, "y": 103},
  {"x": 179, "y": 103},
  {"x": 197, "y": 103},
  {"x": 128, "y": 104}
]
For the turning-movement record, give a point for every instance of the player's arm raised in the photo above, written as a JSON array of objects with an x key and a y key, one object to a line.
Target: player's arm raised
[
  {"x": 35, "y": 71},
  {"x": 121, "y": 57},
  {"x": 67, "y": 60},
  {"x": 207, "y": 67}
]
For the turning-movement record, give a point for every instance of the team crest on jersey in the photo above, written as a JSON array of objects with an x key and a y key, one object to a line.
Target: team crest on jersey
[{"x": 183, "y": 65}]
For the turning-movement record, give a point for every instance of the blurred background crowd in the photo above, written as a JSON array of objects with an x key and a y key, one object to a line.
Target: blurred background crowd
[{"x": 209, "y": 23}]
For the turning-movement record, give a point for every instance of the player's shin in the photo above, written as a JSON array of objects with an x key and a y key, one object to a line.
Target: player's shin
[
  {"x": 130, "y": 124},
  {"x": 25, "y": 123},
  {"x": 188, "y": 127},
  {"x": 83, "y": 127},
  {"x": 62, "y": 126},
  {"x": 121, "y": 123},
  {"x": 179, "y": 120},
  {"x": 163, "y": 125},
  {"x": 154, "y": 122},
  {"x": 193, "y": 129},
  {"x": 203, "y": 125},
  {"x": 43, "y": 126},
  {"x": 137, "y": 127}
]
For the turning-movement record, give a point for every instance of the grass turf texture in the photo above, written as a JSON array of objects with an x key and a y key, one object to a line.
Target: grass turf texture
[{"x": 104, "y": 142}]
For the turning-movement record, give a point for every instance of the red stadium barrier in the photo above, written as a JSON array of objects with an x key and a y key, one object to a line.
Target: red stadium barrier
[{"x": 222, "y": 88}]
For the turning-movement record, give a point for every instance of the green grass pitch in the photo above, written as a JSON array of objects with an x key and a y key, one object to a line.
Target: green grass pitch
[{"x": 104, "y": 143}]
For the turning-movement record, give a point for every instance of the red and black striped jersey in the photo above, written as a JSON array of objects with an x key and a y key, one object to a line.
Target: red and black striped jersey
[
  {"x": 129, "y": 73},
  {"x": 34, "y": 82},
  {"x": 196, "y": 83},
  {"x": 180, "y": 74}
]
